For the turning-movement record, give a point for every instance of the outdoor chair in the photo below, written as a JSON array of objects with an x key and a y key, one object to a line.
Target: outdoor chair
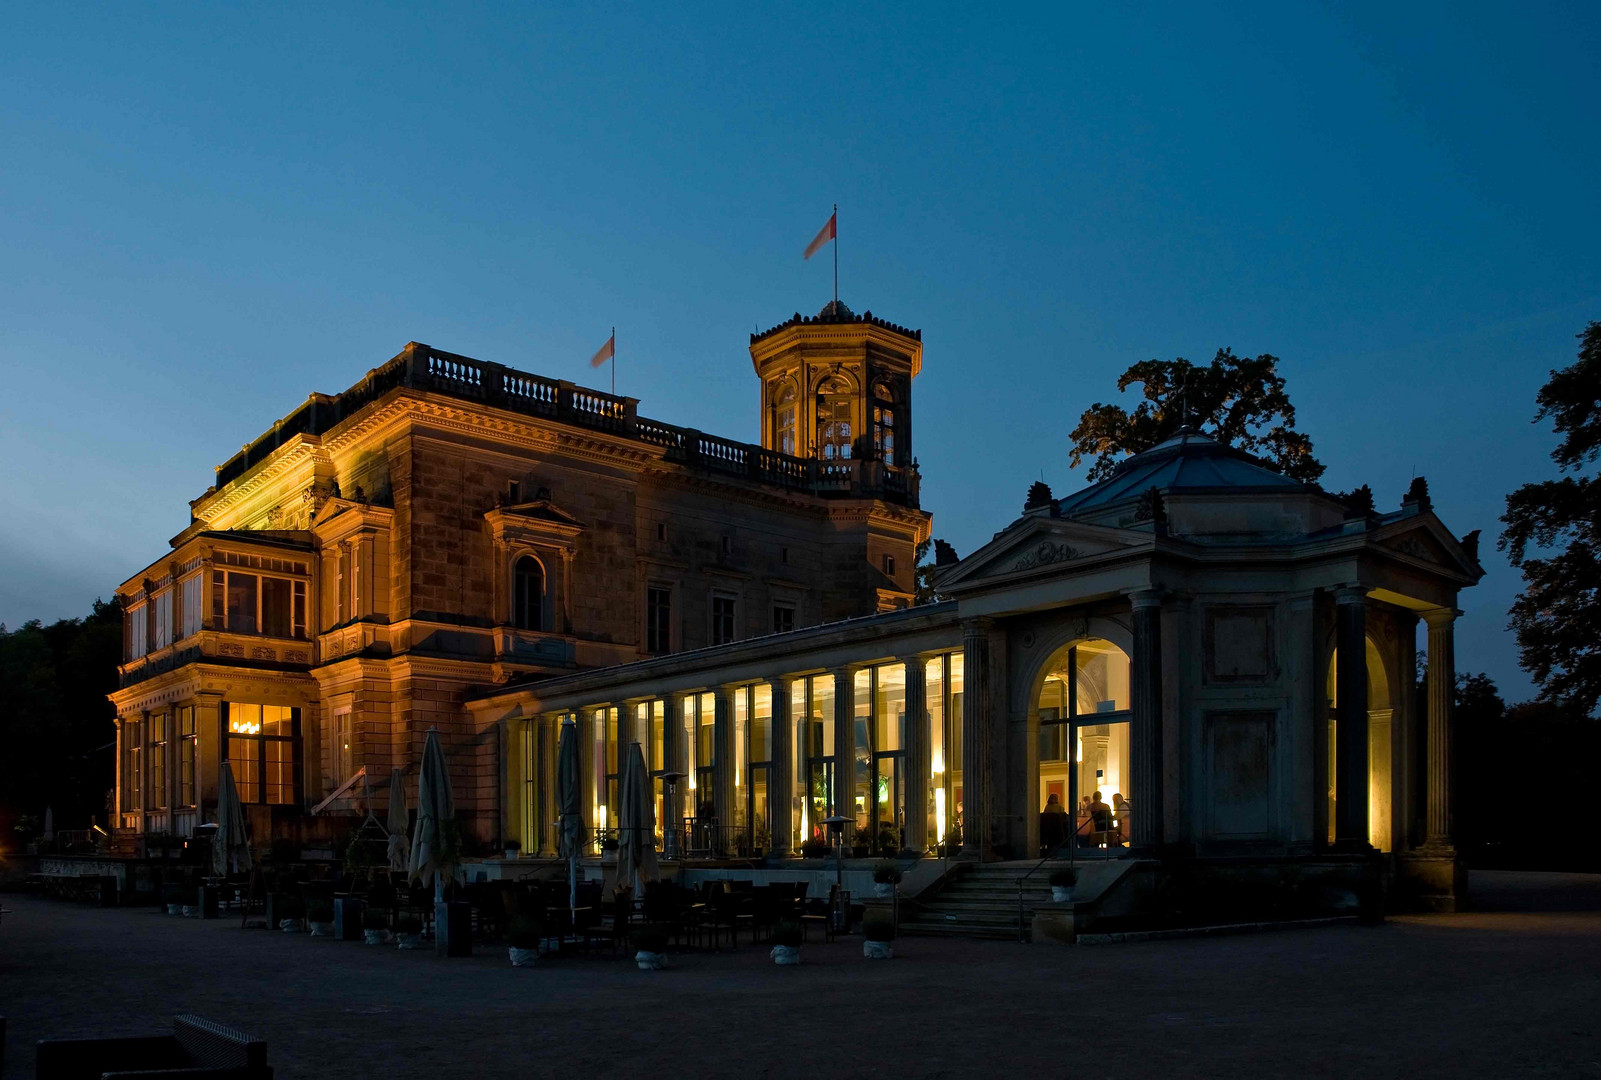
[
  {"x": 820, "y": 913},
  {"x": 197, "y": 1049}
]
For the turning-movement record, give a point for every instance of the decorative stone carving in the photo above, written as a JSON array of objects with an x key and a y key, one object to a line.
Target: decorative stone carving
[
  {"x": 297, "y": 656},
  {"x": 263, "y": 653},
  {"x": 230, "y": 649},
  {"x": 1046, "y": 553}
]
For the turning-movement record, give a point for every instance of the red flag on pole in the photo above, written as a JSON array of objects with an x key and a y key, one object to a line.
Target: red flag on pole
[
  {"x": 607, "y": 351},
  {"x": 828, "y": 233}
]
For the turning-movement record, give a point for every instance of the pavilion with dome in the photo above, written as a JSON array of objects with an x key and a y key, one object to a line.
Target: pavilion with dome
[{"x": 1195, "y": 662}]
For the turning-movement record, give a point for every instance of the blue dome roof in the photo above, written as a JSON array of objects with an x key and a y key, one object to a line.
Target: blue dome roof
[{"x": 1189, "y": 461}]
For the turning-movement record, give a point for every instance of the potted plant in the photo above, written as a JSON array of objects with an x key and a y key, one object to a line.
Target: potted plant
[
  {"x": 408, "y": 932},
  {"x": 289, "y": 915},
  {"x": 879, "y": 930},
  {"x": 522, "y": 941},
  {"x": 786, "y": 943},
  {"x": 320, "y": 918},
  {"x": 861, "y": 844},
  {"x": 814, "y": 847},
  {"x": 608, "y": 849},
  {"x": 512, "y": 847},
  {"x": 1062, "y": 882},
  {"x": 886, "y": 875},
  {"x": 374, "y": 927},
  {"x": 650, "y": 948}
]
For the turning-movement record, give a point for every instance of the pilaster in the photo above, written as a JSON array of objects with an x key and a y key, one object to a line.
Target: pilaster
[
  {"x": 978, "y": 745},
  {"x": 780, "y": 777},
  {"x": 917, "y": 755},
  {"x": 1351, "y": 718},
  {"x": 1441, "y": 690},
  {"x": 1147, "y": 739}
]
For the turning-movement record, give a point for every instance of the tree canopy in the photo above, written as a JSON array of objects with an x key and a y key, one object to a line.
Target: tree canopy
[
  {"x": 1553, "y": 535},
  {"x": 55, "y": 722},
  {"x": 1239, "y": 400}
]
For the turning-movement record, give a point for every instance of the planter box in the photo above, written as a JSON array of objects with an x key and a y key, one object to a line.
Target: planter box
[
  {"x": 453, "y": 929},
  {"x": 347, "y": 918}
]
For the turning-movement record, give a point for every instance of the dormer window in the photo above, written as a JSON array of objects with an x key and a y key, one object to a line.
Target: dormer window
[{"x": 528, "y": 594}]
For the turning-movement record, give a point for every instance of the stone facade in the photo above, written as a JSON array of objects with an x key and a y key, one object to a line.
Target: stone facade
[{"x": 447, "y": 526}]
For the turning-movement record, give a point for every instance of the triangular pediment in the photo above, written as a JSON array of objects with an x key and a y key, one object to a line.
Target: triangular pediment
[
  {"x": 1039, "y": 545},
  {"x": 1424, "y": 538},
  {"x": 542, "y": 510}
]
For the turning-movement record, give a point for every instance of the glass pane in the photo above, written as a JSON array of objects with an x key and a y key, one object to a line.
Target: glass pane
[
  {"x": 276, "y": 720},
  {"x": 938, "y": 807},
  {"x": 953, "y": 726},
  {"x": 761, "y": 723},
  {"x": 280, "y": 771},
  {"x": 244, "y": 757},
  {"x": 1105, "y": 801},
  {"x": 241, "y": 603},
  {"x": 1103, "y": 675},
  {"x": 741, "y": 729},
  {"x": 761, "y": 816},
  {"x": 862, "y": 750},
  {"x": 277, "y": 609},
  {"x": 889, "y": 712}
]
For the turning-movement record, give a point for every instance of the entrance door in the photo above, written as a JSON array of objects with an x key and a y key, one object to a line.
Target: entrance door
[
  {"x": 889, "y": 797},
  {"x": 819, "y": 796}
]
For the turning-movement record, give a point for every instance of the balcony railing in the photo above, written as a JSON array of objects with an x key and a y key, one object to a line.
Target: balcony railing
[
  {"x": 218, "y": 646},
  {"x": 556, "y": 399}
]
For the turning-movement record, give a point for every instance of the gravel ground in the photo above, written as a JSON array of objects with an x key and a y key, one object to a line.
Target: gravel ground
[{"x": 1510, "y": 990}]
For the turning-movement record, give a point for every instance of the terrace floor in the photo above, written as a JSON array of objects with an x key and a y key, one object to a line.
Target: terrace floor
[{"x": 1510, "y": 990}]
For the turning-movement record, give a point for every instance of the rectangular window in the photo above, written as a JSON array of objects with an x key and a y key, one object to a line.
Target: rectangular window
[
  {"x": 136, "y": 631},
  {"x": 191, "y": 605},
  {"x": 263, "y": 748},
  {"x": 722, "y": 619},
  {"x": 163, "y": 630},
  {"x": 658, "y": 619},
  {"x": 783, "y": 618},
  {"x": 132, "y": 758},
  {"x": 242, "y": 598},
  {"x": 344, "y": 751},
  {"x": 300, "y": 610},
  {"x": 277, "y": 607},
  {"x": 728, "y": 545},
  {"x": 889, "y": 566},
  {"x": 342, "y": 588},
  {"x": 158, "y": 760},
  {"x": 186, "y": 752},
  {"x": 661, "y": 531}
]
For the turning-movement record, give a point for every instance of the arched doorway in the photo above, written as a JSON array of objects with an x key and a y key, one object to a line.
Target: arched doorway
[
  {"x": 1084, "y": 793},
  {"x": 1381, "y": 817}
]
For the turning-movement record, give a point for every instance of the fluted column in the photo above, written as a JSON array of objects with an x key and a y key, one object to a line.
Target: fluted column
[
  {"x": 1146, "y": 723},
  {"x": 917, "y": 756},
  {"x": 547, "y": 732},
  {"x": 781, "y": 775},
  {"x": 1441, "y": 690},
  {"x": 1351, "y": 716},
  {"x": 723, "y": 765},
  {"x": 978, "y": 748}
]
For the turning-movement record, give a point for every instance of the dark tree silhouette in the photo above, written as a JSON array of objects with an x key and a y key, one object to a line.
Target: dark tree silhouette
[
  {"x": 1239, "y": 400},
  {"x": 1553, "y": 535}
]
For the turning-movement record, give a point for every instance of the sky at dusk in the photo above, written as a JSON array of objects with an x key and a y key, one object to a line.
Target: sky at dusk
[{"x": 208, "y": 212}]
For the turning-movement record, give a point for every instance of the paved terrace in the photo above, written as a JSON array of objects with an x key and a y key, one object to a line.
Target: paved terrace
[{"x": 1510, "y": 991}]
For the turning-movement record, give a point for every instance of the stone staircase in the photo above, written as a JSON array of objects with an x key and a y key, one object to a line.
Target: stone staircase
[{"x": 978, "y": 902}]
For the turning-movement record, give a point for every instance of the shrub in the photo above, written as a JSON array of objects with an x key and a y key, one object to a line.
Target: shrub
[
  {"x": 524, "y": 933},
  {"x": 319, "y": 911},
  {"x": 787, "y": 933},
  {"x": 650, "y": 939},
  {"x": 511, "y": 845},
  {"x": 609, "y": 844},
  {"x": 408, "y": 924},
  {"x": 814, "y": 848},
  {"x": 878, "y": 928},
  {"x": 1064, "y": 878},
  {"x": 887, "y": 872}
]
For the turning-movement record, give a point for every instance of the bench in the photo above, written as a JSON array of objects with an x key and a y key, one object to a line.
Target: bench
[
  {"x": 197, "y": 1049},
  {"x": 98, "y": 889}
]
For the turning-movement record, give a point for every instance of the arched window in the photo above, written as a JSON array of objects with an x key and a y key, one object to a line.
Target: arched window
[
  {"x": 883, "y": 422},
  {"x": 784, "y": 402},
  {"x": 834, "y": 409},
  {"x": 528, "y": 594}
]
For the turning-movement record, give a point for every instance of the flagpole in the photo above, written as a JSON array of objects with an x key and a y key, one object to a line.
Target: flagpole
[
  {"x": 614, "y": 361},
  {"x": 836, "y": 254}
]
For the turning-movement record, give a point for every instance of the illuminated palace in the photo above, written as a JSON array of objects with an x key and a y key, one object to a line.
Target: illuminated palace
[{"x": 1194, "y": 657}]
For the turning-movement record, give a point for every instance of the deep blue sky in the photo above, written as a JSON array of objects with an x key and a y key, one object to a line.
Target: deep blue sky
[{"x": 207, "y": 213}]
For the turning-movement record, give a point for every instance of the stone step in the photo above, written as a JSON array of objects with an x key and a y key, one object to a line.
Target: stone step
[{"x": 962, "y": 930}]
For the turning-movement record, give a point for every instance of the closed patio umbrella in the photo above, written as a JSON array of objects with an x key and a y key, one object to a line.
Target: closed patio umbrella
[
  {"x": 49, "y": 823},
  {"x": 432, "y": 851},
  {"x": 636, "y": 825},
  {"x": 568, "y": 785},
  {"x": 397, "y": 820},
  {"x": 230, "y": 848}
]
